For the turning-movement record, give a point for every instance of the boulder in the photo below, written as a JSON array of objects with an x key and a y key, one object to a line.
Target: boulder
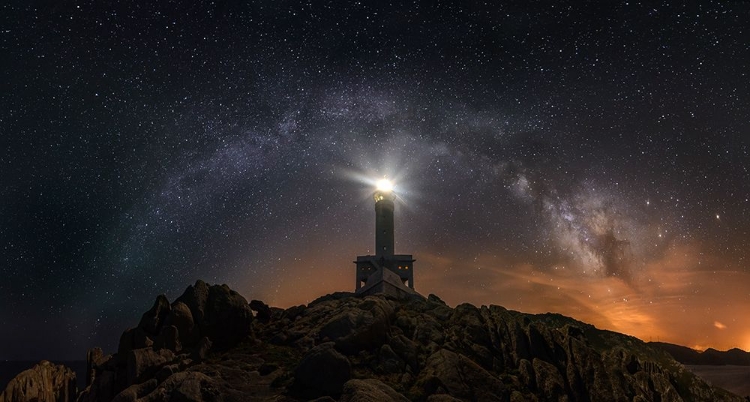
[
  {"x": 152, "y": 320},
  {"x": 133, "y": 338},
  {"x": 202, "y": 350},
  {"x": 442, "y": 398},
  {"x": 93, "y": 357},
  {"x": 219, "y": 312},
  {"x": 169, "y": 338},
  {"x": 458, "y": 376},
  {"x": 186, "y": 387},
  {"x": 362, "y": 328},
  {"x": 136, "y": 391},
  {"x": 144, "y": 363},
  {"x": 263, "y": 312},
  {"x": 549, "y": 380},
  {"x": 322, "y": 371},
  {"x": 388, "y": 360},
  {"x": 370, "y": 390},
  {"x": 406, "y": 350},
  {"x": 45, "y": 382},
  {"x": 181, "y": 318},
  {"x": 195, "y": 298},
  {"x": 102, "y": 389}
]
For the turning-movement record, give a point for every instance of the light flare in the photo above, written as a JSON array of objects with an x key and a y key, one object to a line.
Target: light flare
[{"x": 384, "y": 185}]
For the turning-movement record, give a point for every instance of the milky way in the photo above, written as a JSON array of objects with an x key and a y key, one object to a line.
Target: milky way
[{"x": 586, "y": 160}]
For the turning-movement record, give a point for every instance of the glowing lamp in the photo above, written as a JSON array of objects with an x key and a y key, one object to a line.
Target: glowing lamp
[{"x": 384, "y": 185}]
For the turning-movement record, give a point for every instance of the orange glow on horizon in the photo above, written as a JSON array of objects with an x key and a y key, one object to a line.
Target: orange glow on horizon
[{"x": 677, "y": 306}]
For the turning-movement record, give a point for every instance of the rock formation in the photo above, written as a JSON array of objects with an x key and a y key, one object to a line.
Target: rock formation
[
  {"x": 208, "y": 346},
  {"x": 169, "y": 339},
  {"x": 45, "y": 382}
]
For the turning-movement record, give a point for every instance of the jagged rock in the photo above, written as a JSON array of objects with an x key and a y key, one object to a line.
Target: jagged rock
[
  {"x": 293, "y": 312},
  {"x": 442, "y": 398},
  {"x": 144, "y": 363},
  {"x": 362, "y": 328},
  {"x": 180, "y": 317},
  {"x": 133, "y": 338},
  {"x": 135, "y": 391},
  {"x": 169, "y": 338},
  {"x": 460, "y": 377},
  {"x": 152, "y": 320},
  {"x": 549, "y": 380},
  {"x": 202, "y": 350},
  {"x": 102, "y": 389},
  {"x": 262, "y": 310},
  {"x": 388, "y": 360},
  {"x": 435, "y": 299},
  {"x": 166, "y": 371},
  {"x": 406, "y": 350},
  {"x": 186, "y": 387},
  {"x": 93, "y": 357},
  {"x": 370, "y": 390},
  {"x": 420, "y": 349},
  {"x": 45, "y": 382},
  {"x": 219, "y": 312},
  {"x": 313, "y": 380}
]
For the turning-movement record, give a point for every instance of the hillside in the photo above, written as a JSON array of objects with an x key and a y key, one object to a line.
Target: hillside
[
  {"x": 711, "y": 357},
  {"x": 211, "y": 345}
]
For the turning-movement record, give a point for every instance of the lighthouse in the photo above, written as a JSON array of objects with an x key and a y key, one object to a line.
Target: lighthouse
[
  {"x": 385, "y": 272},
  {"x": 384, "y": 206}
]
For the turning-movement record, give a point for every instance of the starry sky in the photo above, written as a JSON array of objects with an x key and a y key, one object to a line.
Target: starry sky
[{"x": 585, "y": 158}]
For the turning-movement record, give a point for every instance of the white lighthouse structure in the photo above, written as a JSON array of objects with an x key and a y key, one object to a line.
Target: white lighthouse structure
[{"x": 385, "y": 272}]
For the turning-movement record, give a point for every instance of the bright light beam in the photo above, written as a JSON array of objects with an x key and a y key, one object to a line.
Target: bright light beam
[{"x": 384, "y": 185}]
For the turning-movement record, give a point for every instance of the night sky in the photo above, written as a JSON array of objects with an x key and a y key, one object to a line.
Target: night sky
[{"x": 589, "y": 159}]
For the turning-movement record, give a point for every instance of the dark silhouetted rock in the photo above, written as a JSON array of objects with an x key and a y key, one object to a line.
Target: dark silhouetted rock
[
  {"x": 188, "y": 387},
  {"x": 388, "y": 360},
  {"x": 136, "y": 391},
  {"x": 93, "y": 358},
  {"x": 370, "y": 390},
  {"x": 449, "y": 372},
  {"x": 152, "y": 320},
  {"x": 144, "y": 363},
  {"x": 219, "y": 313},
  {"x": 262, "y": 310},
  {"x": 323, "y": 371},
  {"x": 181, "y": 318},
  {"x": 134, "y": 338},
  {"x": 202, "y": 350},
  {"x": 414, "y": 349},
  {"x": 45, "y": 382},
  {"x": 169, "y": 338}
]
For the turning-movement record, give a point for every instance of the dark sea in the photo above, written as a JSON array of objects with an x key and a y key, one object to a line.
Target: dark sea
[{"x": 9, "y": 369}]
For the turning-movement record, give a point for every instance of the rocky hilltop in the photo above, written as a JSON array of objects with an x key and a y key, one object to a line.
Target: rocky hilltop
[
  {"x": 45, "y": 382},
  {"x": 711, "y": 357},
  {"x": 211, "y": 345}
]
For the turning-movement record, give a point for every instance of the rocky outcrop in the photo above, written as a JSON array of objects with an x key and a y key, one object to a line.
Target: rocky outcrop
[
  {"x": 208, "y": 346},
  {"x": 45, "y": 382},
  {"x": 322, "y": 371},
  {"x": 168, "y": 339},
  {"x": 425, "y": 350},
  {"x": 370, "y": 390}
]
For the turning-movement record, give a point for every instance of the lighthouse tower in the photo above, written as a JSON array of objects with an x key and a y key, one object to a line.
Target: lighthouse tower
[{"x": 385, "y": 272}]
